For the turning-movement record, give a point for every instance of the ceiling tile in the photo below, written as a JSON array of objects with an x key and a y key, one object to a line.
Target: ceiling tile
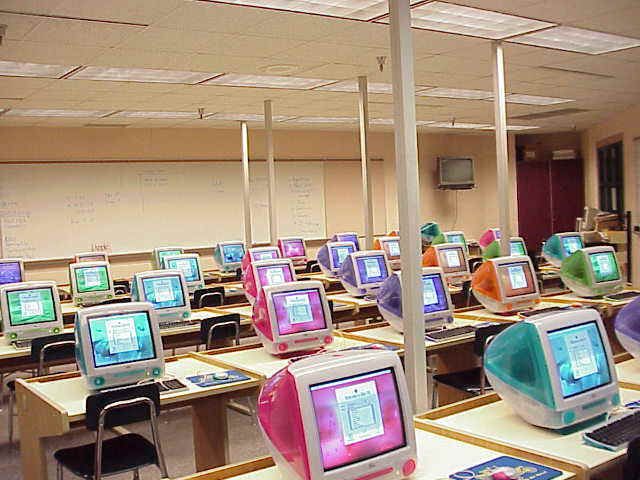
[
  {"x": 75, "y": 32},
  {"x": 133, "y": 11},
  {"x": 18, "y": 25},
  {"x": 44, "y": 52}
]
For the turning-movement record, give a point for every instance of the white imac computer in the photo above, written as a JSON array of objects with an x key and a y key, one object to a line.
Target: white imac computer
[
  {"x": 265, "y": 273},
  {"x": 347, "y": 237},
  {"x": 452, "y": 258},
  {"x": 189, "y": 265},
  {"x": 293, "y": 317},
  {"x": 91, "y": 257},
  {"x": 294, "y": 248},
  {"x": 390, "y": 246},
  {"x": 11, "y": 270},
  {"x": 362, "y": 273},
  {"x": 30, "y": 310},
  {"x": 560, "y": 246},
  {"x": 331, "y": 256},
  {"x": 118, "y": 344},
  {"x": 506, "y": 284},
  {"x": 555, "y": 370},
  {"x": 91, "y": 283},
  {"x": 161, "y": 252},
  {"x": 592, "y": 272},
  {"x": 340, "y": 416},
  {"x": 166, "y": 291},
  {"x": 228, "y": 255},
  {"x": 437, "y": 310}
]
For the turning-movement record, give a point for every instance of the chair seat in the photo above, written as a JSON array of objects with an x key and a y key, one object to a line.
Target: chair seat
[
  {"x": 119, "y": 454},
  {"x": 466, "y": 380}
]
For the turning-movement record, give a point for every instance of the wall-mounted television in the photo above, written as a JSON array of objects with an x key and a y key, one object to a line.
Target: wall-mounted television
[{"x": 455, "y": 173}]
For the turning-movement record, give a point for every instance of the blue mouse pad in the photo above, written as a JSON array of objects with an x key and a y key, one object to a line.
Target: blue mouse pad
[
  {"x": 527, "y": 470},
  {"x": 208, "y": 380}
]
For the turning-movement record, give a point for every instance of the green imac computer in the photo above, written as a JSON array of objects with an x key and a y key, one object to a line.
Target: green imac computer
[
  {"x": 592, "y": 272},
  {"x": 560, "y": 246},
  {"x": 454, "y": 236},
  {"x": 91, "y": 283},
  {"x": 161, "y": 252}
]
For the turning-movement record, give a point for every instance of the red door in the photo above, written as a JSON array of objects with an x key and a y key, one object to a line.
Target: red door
[{"x": 534, "y": 203}]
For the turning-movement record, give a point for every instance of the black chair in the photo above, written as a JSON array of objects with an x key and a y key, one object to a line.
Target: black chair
[
  {"x": 124, "y": 453},
  {"x": 466, "y": 291},
  {"x": 116, "y": 300},
  {"x": 220, "y": 328},
  {"x": 209, "y": 297},
  {"x": 474, "y": 264},
  {"x": 122, "y": 287},
  {"x": 631, "y": 466},
  {"x": 312, "y": 266}
]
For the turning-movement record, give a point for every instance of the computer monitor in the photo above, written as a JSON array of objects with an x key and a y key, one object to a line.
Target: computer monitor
[
  {"x": 294, "y": 248},
  {"x": 390, "y": 246},
  {"x": 488, "y": 237},
  {"x": 91, "y": 257},
  {"x": 362, "y": 273},
  {"x": 91, "y": 282},
  {"x": 517, "y": 246},
  {"x": 506, "y": 284},
  {"x": 429, "y": 231},
  {"x": 454, "y": 236},
  {"x": 592, "y": 272},
  {"x": 343, "y": 415},
  {"x": 331, "y": 256},
  {"x": 30, "y": 310},
  {"x": 258, "y": 253},
  {"x": 267, "y": 272},
  {"x": 627, "y": 327},
  {"x": 189, "y": 265},
  {"x": 451, "y": 258},
  {"x": 11, "y": 270},
  {"x": 293, "y": 317},
  {"x": 555, "y": 370},
  {"x": 494, "y": 249},
  {"x": 118, "y": 344},
  {"x": 228, "y": 255},
  {"x": 438, "y": 309},
  {"x": 561, "y": 245},
  {"x": 347, "y": 237},
  {"x": 166, "y": 291},
  {"x": 161, "y": 252}
]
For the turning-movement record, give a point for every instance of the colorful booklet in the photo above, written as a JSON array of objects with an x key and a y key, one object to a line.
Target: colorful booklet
[
  {"x": 209, "y": 379},
  {"x": 526, "y": 470}
]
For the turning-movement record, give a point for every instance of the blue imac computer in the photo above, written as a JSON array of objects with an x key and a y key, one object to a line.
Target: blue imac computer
[
  {"x": 160, "y": 252},
  {"x": 362, "y": 273},
  {"x": 166, "y": 291},
  {"x": 347, "y": 237},
  {"x": 11, "y": 270},
  {"x": 627, "y": 327},
  {"x": 560, "y": 246},
  {"x": 189, "y": 265},
  {"x": 332, "y": 255},
  {"x": 228, "y": 255}
]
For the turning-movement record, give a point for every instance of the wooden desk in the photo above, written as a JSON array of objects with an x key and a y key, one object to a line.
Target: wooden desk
[
  {"x": 51, "y": 406},
  {"x": 484, "y": 315},
  {"x": 490, "y": 422},
  {"x": 600, "y": 301},
  {"x": 436, "y": 461}
]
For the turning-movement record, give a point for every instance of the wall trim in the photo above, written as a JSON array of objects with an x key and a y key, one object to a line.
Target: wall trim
[{"x": 618, "y": 137}]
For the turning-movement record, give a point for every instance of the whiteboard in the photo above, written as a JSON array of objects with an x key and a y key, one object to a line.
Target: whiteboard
[{"x": 57, "y": 209}]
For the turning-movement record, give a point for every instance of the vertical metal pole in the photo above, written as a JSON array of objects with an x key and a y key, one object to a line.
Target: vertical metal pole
[
  {"x": 271, "y": 168},
  {"x": 246, "y": 186},
  {"x": 406, "y": 144},
  {"x": 502, "y": 155},
  {"x": 367, "y": 197}
]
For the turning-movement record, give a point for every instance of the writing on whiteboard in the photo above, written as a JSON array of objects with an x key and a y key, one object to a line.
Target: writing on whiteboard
[{"x": 301, "y": 207}]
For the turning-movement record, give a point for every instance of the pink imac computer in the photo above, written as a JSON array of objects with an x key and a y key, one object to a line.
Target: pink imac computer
[
  {"x": 264, "y": 273},
  {"x": 293, "y": 317},
  {"x": 293, "y": 248},
  {"x": 259, "y": 253},
  {"x": 340, "y": 416}
]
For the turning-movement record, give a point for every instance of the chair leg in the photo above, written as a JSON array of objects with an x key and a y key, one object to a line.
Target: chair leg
[
  {"x": 59, "y": 471},
  {"x": 10, "y": 418},
  {"x": 136, "y": 474}
]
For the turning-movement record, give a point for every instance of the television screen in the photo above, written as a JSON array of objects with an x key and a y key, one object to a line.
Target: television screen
[
  {"x": 299, "y": 311},
  {"x": 92, "y": 279},
  {"x": 392, "y": 249},
  {"x": 456, "y": 172},
  {"x": 433, "y": 294},
  {"x": 188, "y": 267},
  {"x": 358, "y": 418},
  {"x": 580, "y": 358},
  {"x": 517, "y": 247},
  {"x": 604, "y": 266},
  {"x": 516, "y": 279},
  {"x": 10, "y": 272},
  {"x": 339, "y": 253},
  {"x": 452, "y": 260},
  {"x": 572, "y": 244},
  {"x": 163, "y": 292},
  {"x": 265, "y": 255},
  {"x": 372, "y": 269},
  {"x": 31, "y": 306},
  {"x": 274, "y": 274},
  {"x": 293, "y": 248}
]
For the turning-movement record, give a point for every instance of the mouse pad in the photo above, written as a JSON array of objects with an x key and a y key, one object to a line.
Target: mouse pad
[
  {"x": 208, "y": 380},
  {"x": 526, "y": 470}
]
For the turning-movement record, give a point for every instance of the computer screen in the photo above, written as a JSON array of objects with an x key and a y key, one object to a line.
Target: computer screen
[
  {"x": 188, "y": 267},
  {"x": 293, "y": 248},
  {"x": 580, "y": 358},
  {"x": 299, "y": 311},
  {"x": 456, "y": 238},
  {"x": 92, "y": 279},
  {"x": 339, "y": 253},
  {"x": 163, "y": 291},
  {"x": 265, "y": 255},
  {"x": 358, "y": 417},
  {"x": 31, "y": 306},
  {"x": 516, "y": 279},
  {"x": 604, "y": 266},
  {"x": 348, "y": 237},
  {"x": 572, "y": 244},
  {"x": 452, "y": 260},
  {"x": 10, "y": 272},
  {"x": 392, "y": 248},
  {"x": 433, "y": 294},
  {"x": 167, "y": 253},
  {"x": 234, "y": 253},
  {"x": 517, "y": 247},
  {"x": 274, "y": 274},
  {"x": 372, "y": 269},
  {"x": 121, "y": 338}
]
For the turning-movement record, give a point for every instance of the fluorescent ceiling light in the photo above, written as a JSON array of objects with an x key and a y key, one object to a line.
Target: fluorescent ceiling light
[
  {"x": 324, "y": 120},
  {"x": 535, "y": 99},
  {"x": 351, "y": 86},
  {"x": 140, "y": 114},
  {"x": 246, "y": 117},
  {"x": 116, "y": 74},
  {"x": 579, "y": 40},
  {"x": 266, "y": 81},
  {"x": 460, "y": 125},
  {"x": 20, "y": 69},
  {"x": 52, "y": 112},
  {"x": 450, "y": 18},
  {"x": 355, "y": 9},
  {"x": 443, "y": 92}
]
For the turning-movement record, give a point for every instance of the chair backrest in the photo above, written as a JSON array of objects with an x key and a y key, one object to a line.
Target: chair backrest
[
  {"x": 116, "y": 300},
  {"x": 484, "y": 335},
  {"x": 97, "y": 402},
  {"x": 312, "y": 266},
  {"x": 119, "y": 290},
  {"x": 197, "y": 295},
  {"x": 631, "y": 466},
  {"x": 474, "y": 264},
  {"x": 53, "y": 348},
  {"x": 122, "y": 284},
  {"x": 220, "y": 328},
  {"x": 211, "y": 300}
]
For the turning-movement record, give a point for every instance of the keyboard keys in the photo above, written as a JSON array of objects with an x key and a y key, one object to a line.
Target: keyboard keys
[
  {"x": 616, "y": 434},
  {"x": 449, "y": 333}
]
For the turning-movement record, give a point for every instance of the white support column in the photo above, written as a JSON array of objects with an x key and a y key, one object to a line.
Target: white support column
[
  {"x": 246, "y": 185},
  {"x": 367, "y": 197},
  {"x": 2, "y": 240},
  {"x": 271, "y": 169},
  {"x": 502, "y": 154},
  {"x": 406, "y": 144}
]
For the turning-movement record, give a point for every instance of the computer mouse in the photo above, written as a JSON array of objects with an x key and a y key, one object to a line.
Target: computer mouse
[{"x": 221, "y": 375}]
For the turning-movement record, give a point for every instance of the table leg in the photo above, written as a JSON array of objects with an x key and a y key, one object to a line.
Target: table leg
[{"x": 210, "y": 432}]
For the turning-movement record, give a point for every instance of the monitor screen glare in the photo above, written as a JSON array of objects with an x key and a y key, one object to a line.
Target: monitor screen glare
[
  {"x": 92, "y": 279},
  {"x": 393, "y": 248},
  {"x": 358, "y": 418},
  {"x": 433, "y": 294},
  {"x": 234, "y": 253},
  {"x": 339, "y": 254},
  {"x": 372, "y": 269},
  {"x": 605, "y": 267},
  {"x": 517, "y": 248},
  {"x": 164, "y": 292},
  {"x": 28, "y": 307},
  {"x": 572, "y": 244},
  {"x": 580, "y": 358},
  {"x": 10, "y": 273},
  {"x": 121, "y": 338},
  {"x": 299, "y": 311},
  {"x": 517, "y": 279},
  {"x": 188, "y": 267},
  {"x": 274, "y": 275},
  {"x": 293, "y": 248}
]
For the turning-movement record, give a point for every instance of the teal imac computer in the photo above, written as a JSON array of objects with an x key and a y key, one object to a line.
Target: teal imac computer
[
  {"x": 517, "y": 246},
  {"x": 166, "y": 291},
  {"x": 189, "y": 265},
  {"x": 91, "y": 283},
  {"x": 11, "y": 270},
  {"x": 555, "y": 370},
  {"x": 228, "y": 255},
  {"x": 161, "y": 252},
  {"x": 30, "y": 310},
  {"x": 118, "y": 344},
  {"x": 560, "y": 246},
  {"x": 592, "y": 272}
]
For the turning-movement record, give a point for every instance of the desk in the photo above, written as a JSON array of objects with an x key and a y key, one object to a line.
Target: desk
[
  {"x": 600, "y": 301},
  {"x": 331, "y": 284},
  {"x": 436, "y": 461},
  {"x": 629, "y": 372},
  {"x": 51, "y": 406},
  {"x": 484, "y": 315},
  {"x": 490, "y": 422}
]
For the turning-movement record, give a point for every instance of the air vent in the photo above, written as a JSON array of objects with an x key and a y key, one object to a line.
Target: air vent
[
  {"x": 551, "y": 113},
  {"x": 107, "y": 125},
  {"x": 577, "y": 72}
]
